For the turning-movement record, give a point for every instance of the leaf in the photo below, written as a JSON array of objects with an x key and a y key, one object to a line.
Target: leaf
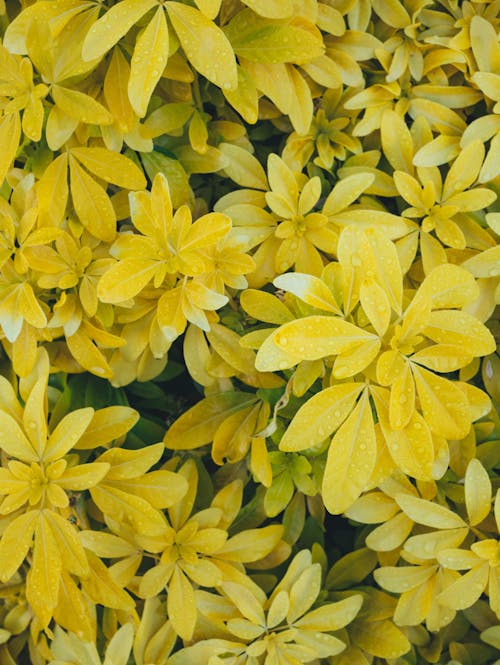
[
  {"x": 112, "y": 26},
  {"x": 467, "y": 589},
  {"x": 106, "y": 425},
  {"x": 429, "y": 513},
  {"x": 379, "y": 638},
  {"x": 101, "y": 588},
  {"x": 477, "y": 492},
  {"x": 80, "y": 106},
  {"x": 14, "y": 441},
  {"x": 10, "y": 136},
  {"x": 304, "y": 592},
  {"x": 443, "y": 405},
  {"x": 243, "y": 168},
  {"x": 111, "y": 167},
  {"x": 66, "y": 538},
  {"x": 197, "y": 426},
  {"x": 351, "y": 459},
  {"x": 396, "y": 139},
  {"x": 181, "y": 604},
  {"x": 212, "y": 54},
  {"x": 251, "y": 545},
  {"x": 67, "y": 433},
  {"x": 315, "y": 337},
  {"x": 449, "y": 286},
  {"x": 391, "y": 534},
  {"x": 259, "y": 39},
  {"x": 264, "y": 306},
  {"x": 148, "y": 62},
  {"x": 125, "y": 279},
  {"x": 92, "y": 204},
  {"x": 52, "y": 191},
  {"x": 129, "y": 509},
  {"x": 42, "y": 584},
  {"x": 331, "y": 617},
  {"x": 312, "y": 290},
  {"x": 16, "y": 543},
  {"x": 118, "y": 649},
  {"x": 460, "y": 329},
  {"x": 321, "y": 415}
]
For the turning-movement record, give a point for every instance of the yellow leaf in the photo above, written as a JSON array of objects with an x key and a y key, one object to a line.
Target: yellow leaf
[
  {"x": 92, "y": 204},
  {"x": 232, "y": 438},
  {"x": 111, "y": 167},
  {"x": 315, "y": 337},
  {"x": 477, "y": 492},
  {"x": 66, "y": 539},
  {"x": 125, "y": 279},
  {"x": 467, "y": 589},
  {"x": 429, "y": 513},
  {"x": 197, "y": 426},
  {"x": 449, "y": 286},
  {"x": 351, "y": 458},
  {"x": 441, "y": 119},
  {"x": 252, "y": 544},
  {"x": 321, "y": 415},
  {"x": 118, "y": 649},
  {"x": 443, "y": 405},
  {"x": 243, "y": 168},
  {"x": 333, "y": 616},
  {"x": 244, "y": 98},
  {"x": 181, "y": 605},
  {"x": 375, "y": 303},
  {"x": 101, "y": 588},
  {"x": 83, "y": 476},
  {"x": 205, "y": 45},
  {"x": 14, "y": 441},
  {"x": 379, "y": 638},
  {"x": 148, "y": 62},
  {"x": 16, "y": 542},
  {"x": 271, "y": 8},
  {"x": 372, "y": 508},
  {"x": 80, "y": 106},
  {"x": 111, "y": 27},
  {"x": 67, "y": 433},
  {"x": 428, "y": 545},
  {"x": 132, "y": 510},
  {"x": 42, "y": 583},
  {"x": 392, "y": 12},
  {"x": 301, "y": 108},
  {"x": 106, "y": 425},
  {"x": 261, "y": 40},
  {"x": 115, "y": 91},
  {"x": 207, "y": 230},
  {"x": 346, "y": 191},
  {"x": 304, "y": 592},
  {"x": 264, "y": 306},
  {"x": 391, "y": 534},
  {"x": 85, "y": 352},
  {"x": 460, "y": 329},
  {"x": 440, "y": 150},
  {"x": 312, "y": 290},
  {"x": 397, "y": 142},
  {"x": 443, "y": 358},
  {"x": 10, "y": 135},
  {"x": 402, "y": 400}
]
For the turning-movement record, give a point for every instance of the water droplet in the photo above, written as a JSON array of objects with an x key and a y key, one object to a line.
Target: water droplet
[{"x": 403, "y": 399}]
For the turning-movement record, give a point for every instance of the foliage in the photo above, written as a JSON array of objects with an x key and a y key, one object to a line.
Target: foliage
[{"x": 249, "y": 297}]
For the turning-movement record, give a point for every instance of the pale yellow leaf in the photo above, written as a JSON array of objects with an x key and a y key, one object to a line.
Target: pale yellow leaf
[
  {"x": 206, "y": 47},
  {"x": 351, "y": 458},
  {"x": 148, "y": 62}
]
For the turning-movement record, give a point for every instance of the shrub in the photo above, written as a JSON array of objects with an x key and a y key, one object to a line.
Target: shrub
[{"x": 249, "y": 289}]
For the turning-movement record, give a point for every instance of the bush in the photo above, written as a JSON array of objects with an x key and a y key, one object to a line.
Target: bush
[{"x": 249, "y": 288}]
